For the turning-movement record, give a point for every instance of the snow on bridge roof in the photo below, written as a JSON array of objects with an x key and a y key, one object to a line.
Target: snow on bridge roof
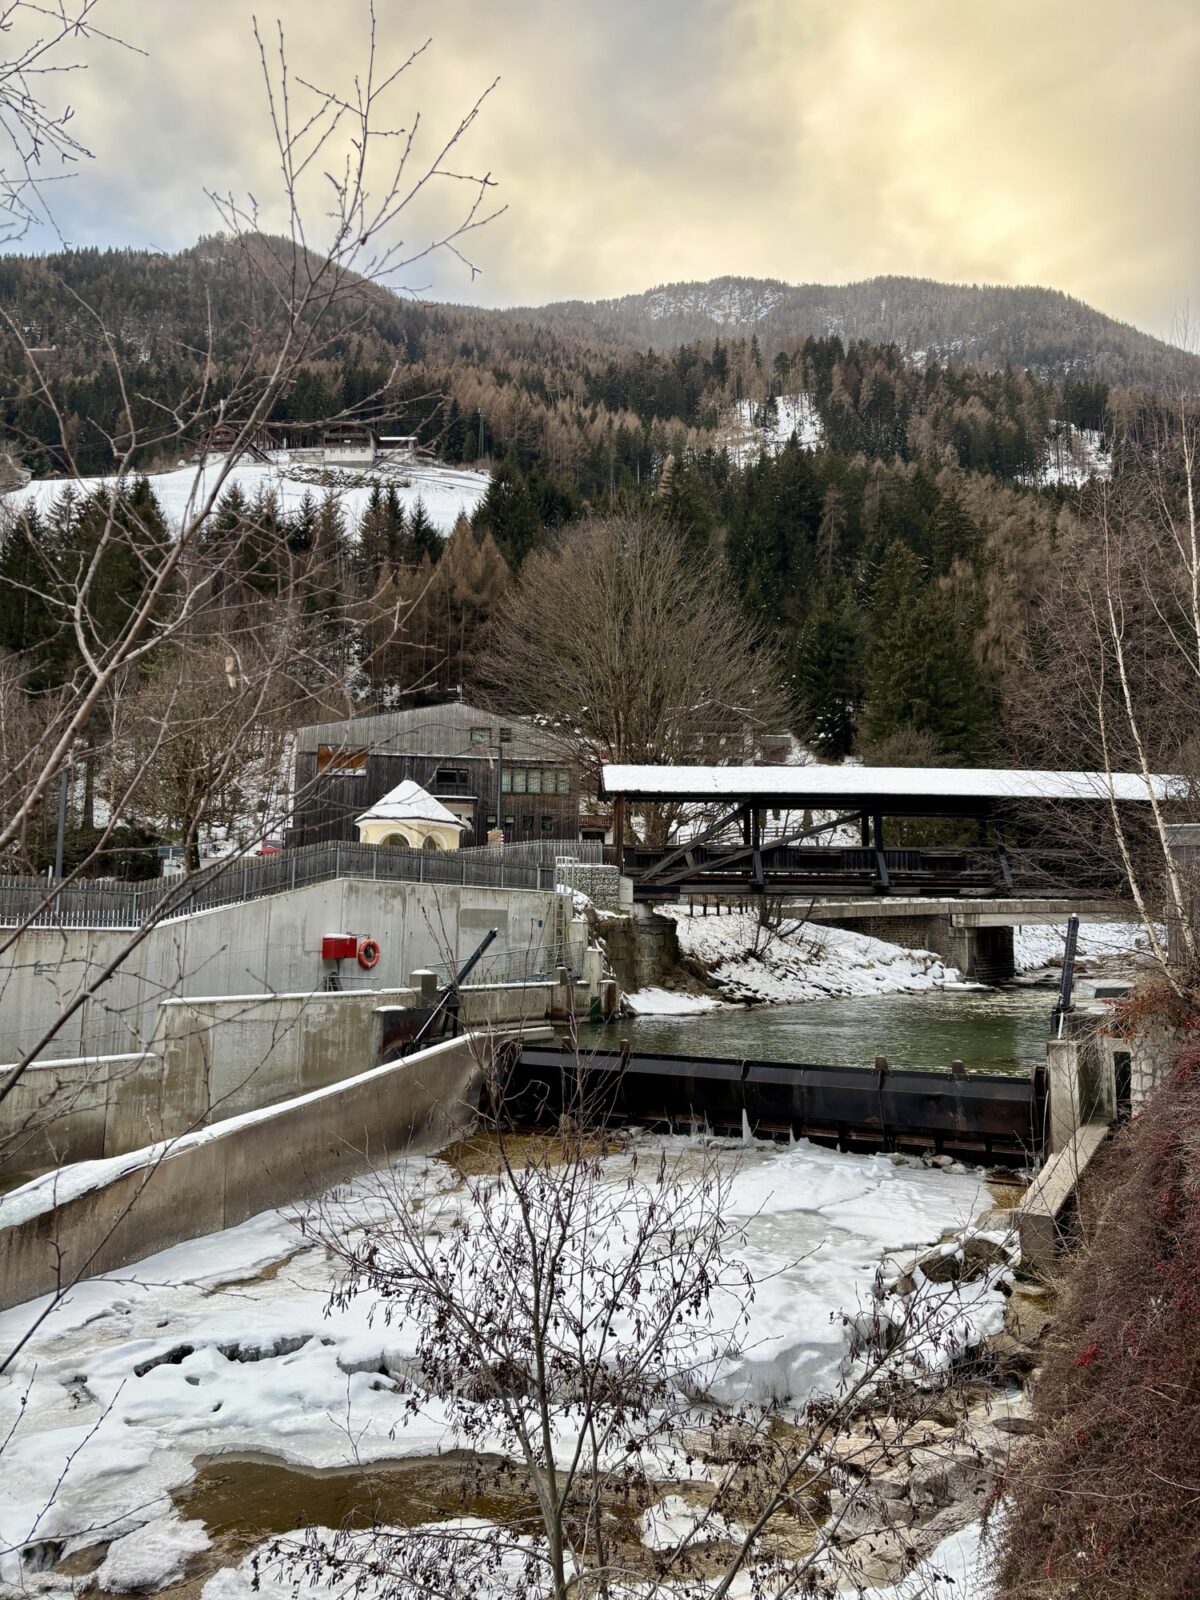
[{"x": 911, "y": 785}]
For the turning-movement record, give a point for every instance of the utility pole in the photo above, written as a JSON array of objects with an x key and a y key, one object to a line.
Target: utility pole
[
  {"x": 64, "y": 783},
  {"x": 503, "y": 737}
]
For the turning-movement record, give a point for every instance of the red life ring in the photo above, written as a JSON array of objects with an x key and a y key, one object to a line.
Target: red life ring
[{"x": 368, "y": 954}]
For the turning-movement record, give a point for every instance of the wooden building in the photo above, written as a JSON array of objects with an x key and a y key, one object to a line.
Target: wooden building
[{"x": 465, "y": 758}]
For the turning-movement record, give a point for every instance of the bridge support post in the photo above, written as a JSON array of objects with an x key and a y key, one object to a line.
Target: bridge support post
[
  {"x": 883, "y": 881},
  {"x": 984, "y": 954}
]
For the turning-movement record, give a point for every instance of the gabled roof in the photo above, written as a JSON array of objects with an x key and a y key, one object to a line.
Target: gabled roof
[
  {"x": 442, "y": 730},
  {"x": 408, "y": 802}
]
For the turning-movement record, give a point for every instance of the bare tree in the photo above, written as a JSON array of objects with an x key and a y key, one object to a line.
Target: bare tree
[
  {"x": 580, "y": 1304},
  {"x": 164, "y": 662},
  {"x": 44, "y": 45},
  {"x": 1114, "y": 675},
  {"x": 629, "y": 651}
]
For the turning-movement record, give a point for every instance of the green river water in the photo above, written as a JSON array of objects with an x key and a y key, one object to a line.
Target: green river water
[{"x": 990, "y": 1030}]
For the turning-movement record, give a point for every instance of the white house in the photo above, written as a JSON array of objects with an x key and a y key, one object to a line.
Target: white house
[{"x": 410, "y": 817}]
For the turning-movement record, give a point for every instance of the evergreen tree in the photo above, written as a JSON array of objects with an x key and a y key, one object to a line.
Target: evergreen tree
[
  {"x": 423, "y": 537},
  {"x": 28, "y": 625},
  {"x": 828, "y": 673},
  {"x": 921, "y": 671},
  {"x": 508, "y": 513}
]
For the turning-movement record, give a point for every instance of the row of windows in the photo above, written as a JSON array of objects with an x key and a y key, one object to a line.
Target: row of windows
[
  {"x": 535, "y": 780},
  {"x": 510, "y": 824}
]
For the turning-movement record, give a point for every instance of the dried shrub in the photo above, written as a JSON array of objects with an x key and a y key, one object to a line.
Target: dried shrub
[{"x": 1106, "y": 1502}]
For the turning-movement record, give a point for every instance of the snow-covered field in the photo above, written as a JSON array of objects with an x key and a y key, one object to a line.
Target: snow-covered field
[
  {"x": 802, "y": 961},
  {"x": 226, "y": 1344},
  {"x": 445, "y": 492}
]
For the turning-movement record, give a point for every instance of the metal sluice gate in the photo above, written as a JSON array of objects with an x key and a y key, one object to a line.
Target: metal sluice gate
[{"x": 982, "y": 1117}]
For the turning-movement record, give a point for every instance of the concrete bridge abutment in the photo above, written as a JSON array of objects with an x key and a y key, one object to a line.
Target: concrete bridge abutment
[{"x": 984, "y": 955}]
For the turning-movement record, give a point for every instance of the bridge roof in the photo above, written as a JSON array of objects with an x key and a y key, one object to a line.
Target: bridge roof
[{"x": 906, "y": 788}]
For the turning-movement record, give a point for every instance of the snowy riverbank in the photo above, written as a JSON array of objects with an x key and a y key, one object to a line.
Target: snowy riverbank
[
  {"x": 799, "y": 961},
  {"x": 745, "y": 963}
]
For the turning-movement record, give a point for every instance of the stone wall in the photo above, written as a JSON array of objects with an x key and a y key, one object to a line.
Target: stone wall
[{"x": 601, "y": 884}]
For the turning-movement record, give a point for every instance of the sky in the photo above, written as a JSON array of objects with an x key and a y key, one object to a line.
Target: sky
[{"x": 637, "y": 142}]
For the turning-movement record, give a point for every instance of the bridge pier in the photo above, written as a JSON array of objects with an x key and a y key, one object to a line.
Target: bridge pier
[{"x": 984, "y": 955}]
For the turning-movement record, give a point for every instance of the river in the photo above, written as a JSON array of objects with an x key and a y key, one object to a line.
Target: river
[{"x": 989, "y": 1030}]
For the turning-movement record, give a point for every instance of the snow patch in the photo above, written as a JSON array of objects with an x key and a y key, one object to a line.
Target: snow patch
[
  {"x": 1072, "y": 456},
  {"x": 157, "y": 1554},
  {"x": 1042, "y": 945},
  {"x": 668, "y": 1003}
]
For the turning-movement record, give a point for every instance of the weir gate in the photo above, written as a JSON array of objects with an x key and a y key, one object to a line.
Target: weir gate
[{"x": 981, "y": 1117}]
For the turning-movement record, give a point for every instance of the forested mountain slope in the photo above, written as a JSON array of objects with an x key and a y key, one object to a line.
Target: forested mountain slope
[
  {"x": 892, "y": 554},
  {"x": 596, "y": 396},
  {"x": 984, "y": 324}
]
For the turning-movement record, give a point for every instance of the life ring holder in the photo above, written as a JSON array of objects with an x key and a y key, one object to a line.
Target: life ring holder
[{"x": 368, "y": 954}]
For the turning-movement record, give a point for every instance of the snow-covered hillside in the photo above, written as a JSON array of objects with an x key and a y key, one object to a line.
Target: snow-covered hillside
[
  {"x": 445, "y": 492},
  {"x": 1072, "y": 456},
  {"x": 727, "y": 302},
  {"x": 755, "y": 427}
]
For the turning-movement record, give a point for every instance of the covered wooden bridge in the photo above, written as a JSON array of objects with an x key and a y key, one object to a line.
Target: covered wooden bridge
[{"x": 823, "y": 830}]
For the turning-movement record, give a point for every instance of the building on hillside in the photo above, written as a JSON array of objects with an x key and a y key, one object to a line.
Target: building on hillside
[
  {"x": 464, "y": 758},
  {"x": 410, "y": 819}
]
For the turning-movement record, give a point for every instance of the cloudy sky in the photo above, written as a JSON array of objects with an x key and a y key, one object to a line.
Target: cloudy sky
[{"x": 636, "y": 142}]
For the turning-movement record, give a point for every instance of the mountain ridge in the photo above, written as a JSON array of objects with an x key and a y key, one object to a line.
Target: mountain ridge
[{"x": 1047, "y": 330}]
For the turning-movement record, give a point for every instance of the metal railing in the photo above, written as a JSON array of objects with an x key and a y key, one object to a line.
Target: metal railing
[
  {"x": 522, "y": 964},
  {"x": 105, "y": 903}
]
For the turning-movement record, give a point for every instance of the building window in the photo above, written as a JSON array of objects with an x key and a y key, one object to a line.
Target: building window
[
  {"x": 506, "y": 781},
  {"x": 518, "y": 780},
  {"x": 332, "y": 758},
  {"x": 534, "y": 779},
  {"x": 450, "y": 778},
  {"x": 526, "y": 824},
  {"x": 480, "y": 735},
  {"x": 547, "y": 824},
  {"x": 563, "y": 778}
]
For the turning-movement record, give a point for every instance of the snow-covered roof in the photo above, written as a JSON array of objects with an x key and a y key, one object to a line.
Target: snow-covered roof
[
  {"x": 408, "y": 802},
  {"x": 911, "y": 784}
]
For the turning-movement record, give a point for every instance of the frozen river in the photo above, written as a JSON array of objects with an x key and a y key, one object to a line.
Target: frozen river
[{"x": 227, "y": 1346}]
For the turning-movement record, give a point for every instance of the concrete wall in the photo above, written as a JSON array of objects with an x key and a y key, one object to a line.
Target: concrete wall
[
  {"x": 272, "y": 944},
  {"x": 218, "y": 1177},
  {"x": 72, "y": 1111},
  {"x": 221, "y": 1056},
  {"x": 226, "y": 1055},
  {"x": 640, "y": 948}
]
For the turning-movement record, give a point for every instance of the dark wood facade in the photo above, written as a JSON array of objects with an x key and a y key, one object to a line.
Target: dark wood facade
[{"x": 455, "y": 753}]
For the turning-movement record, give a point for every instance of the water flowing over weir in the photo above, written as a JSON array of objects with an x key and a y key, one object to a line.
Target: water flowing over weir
[{"x": 981, "y": 1116}]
